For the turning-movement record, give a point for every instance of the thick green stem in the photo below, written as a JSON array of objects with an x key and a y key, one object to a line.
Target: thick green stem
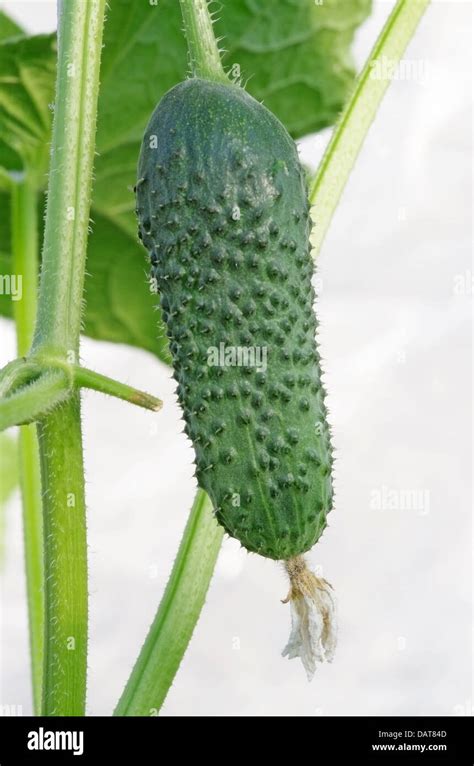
[
  {"x": 57, "y": 334},
  {"x": 177, "y": 615},
  {"x": 202, "y": 46},
  {"x": 25, "y": 262},
  {"x": 64, "y": 511},
  {"x": 69, "y": 192},
  {"x": 359, "y": 113}
]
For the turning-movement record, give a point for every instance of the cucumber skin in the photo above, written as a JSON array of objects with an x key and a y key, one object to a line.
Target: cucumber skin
[{"x": 223, "y": 211}]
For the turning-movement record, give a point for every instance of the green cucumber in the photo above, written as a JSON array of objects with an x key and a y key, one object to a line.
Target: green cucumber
[{"x": 223, "y": 211}]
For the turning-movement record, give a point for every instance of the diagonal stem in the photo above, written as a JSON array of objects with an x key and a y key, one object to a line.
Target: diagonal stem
[
  {"x": 177, "y": 615},
  {"x": 357, "y": 117}
]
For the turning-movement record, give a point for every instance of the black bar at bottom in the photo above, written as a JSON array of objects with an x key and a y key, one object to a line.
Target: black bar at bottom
[{"x": 417, "y": 740}]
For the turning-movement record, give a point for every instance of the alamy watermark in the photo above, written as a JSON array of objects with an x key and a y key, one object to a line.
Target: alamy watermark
[
  {"x": 42, "y": 739},
  {"x": 12, "y": 284},
  {"x": 389, "y": 499},
  {"x": 416, "y": 70},
  {"x": 463, "y": 284},
  {"x": 237, "y": 356},
  {"x": 6, "y": 711}
]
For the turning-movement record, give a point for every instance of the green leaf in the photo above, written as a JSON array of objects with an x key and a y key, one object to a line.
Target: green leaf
[
  {"x": 27, "y": 71},
  {"x": 120, "y": 305},
  {"x": 8, "y": 480},
  {"x": 294, "y": 55},
  {"x": 8, "y": 27}
]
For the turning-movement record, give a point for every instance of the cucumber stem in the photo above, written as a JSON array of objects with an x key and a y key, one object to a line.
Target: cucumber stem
[{"x": 204, "y": 54}]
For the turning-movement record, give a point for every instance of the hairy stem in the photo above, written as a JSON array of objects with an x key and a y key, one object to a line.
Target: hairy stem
[
  {"x": 357, "y": 117},
  {"x": 32, "y": 401},
  {"x": 177, "y": 615},
  {"x": 202, "y": 46},
  {"x": 70, "y": 178},
  {"x": 57, "y": 334},
  {"x": 85, "y": 378},
  {"x": 65, "y": 647},
  {"x": 25, "y": 263}
]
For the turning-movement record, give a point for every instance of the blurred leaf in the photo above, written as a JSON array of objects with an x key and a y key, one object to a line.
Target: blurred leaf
[
  {"x": 8, "y": 27},
  {"x": 117, "y": 279},
  {"x": 27, "y": 71},
  {"x": 118, "y": 283},
  {"x": 9, "y": 477},
  {"x": 294, "y": 55}
]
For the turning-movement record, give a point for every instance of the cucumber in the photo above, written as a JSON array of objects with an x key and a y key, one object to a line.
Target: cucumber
[{"x": 223, "y": 212}]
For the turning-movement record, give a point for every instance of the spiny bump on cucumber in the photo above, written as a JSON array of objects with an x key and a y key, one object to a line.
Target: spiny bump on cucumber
[{"x": 223, "y": 211}]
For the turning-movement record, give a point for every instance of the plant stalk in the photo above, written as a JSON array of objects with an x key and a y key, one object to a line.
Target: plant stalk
[
  {"x": 57, "y": 335},
  {"x": 65, "y": 647},
  {"x": 203, "y": 51},
  {"x": 85, "y": 378},
  {"x": 356, "y": 119},
  {"x": 177, "y": 615},
  {"x": 25, "y": 262},
  {"x": 69, "y": 193}
]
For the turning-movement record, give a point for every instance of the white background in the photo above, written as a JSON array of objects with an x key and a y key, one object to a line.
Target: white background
[{"x": 395, "y": 308}]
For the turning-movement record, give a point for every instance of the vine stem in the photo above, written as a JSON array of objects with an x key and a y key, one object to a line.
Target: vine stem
[
  {"x": 65, "y": 561},
  {"x": 57, "y": 335},
  {"x": 25, "y": 263},
  {"x": 177, "y": 615},
  {"x": 58, "y": 326},
  {"x": 204, "y": 54},
  {"x": 357, "y": 117}
]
